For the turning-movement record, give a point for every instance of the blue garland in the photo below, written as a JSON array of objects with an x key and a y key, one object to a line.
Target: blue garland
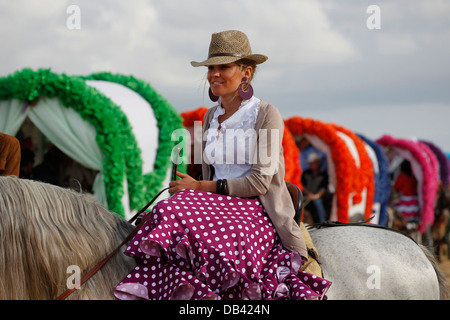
[{"x": 382, "y": 180}]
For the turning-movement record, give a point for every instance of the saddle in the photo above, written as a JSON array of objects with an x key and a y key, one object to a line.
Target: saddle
[{"x": 312, "y": 265}]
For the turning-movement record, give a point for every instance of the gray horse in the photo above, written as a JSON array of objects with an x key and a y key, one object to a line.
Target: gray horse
[
  {"x": 50, "y": 235},
  {"x": 366, "y": 262}
]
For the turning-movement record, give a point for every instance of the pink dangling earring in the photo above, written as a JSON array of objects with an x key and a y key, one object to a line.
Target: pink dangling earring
[
  {"x": 213, "y": 97},
  {"x": 245, "y": 89}
]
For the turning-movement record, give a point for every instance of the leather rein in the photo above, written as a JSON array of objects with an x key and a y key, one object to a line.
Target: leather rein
[{"x": 99, "y": 265}]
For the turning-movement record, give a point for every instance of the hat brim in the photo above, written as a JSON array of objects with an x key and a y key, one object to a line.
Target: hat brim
[
  {"x": 258, "y": 58},
  {"x": 314, "y": 159}
]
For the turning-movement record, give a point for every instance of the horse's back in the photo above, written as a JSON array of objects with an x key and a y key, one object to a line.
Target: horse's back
[{"x": 374, "y": 263}]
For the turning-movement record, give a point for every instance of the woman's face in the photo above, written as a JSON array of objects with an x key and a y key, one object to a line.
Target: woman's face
[{"x": 224, "y": 79}]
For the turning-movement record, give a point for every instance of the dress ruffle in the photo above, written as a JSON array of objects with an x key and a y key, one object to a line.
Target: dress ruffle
[{"x": 199, "y": 245}]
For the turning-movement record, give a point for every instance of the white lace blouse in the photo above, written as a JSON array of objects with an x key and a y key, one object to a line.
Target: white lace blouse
[{"x": 231, "y": 149}]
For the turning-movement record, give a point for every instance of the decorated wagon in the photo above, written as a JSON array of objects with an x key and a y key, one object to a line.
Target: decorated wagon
[
  {"x": 355, "y": 169},
  {"x": 425, "y": 168},
  {"x": 117, "y": 125},
  {"x": 443, "y": 162}
]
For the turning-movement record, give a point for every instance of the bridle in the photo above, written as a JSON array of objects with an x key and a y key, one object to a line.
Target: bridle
[{"x": 99, "y": 265}]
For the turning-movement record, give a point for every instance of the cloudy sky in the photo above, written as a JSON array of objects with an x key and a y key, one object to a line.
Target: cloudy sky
[{"x": 324, "y": 62}]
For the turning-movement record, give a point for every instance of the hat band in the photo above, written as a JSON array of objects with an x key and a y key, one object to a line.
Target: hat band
[{"x": 226, "y": 55}]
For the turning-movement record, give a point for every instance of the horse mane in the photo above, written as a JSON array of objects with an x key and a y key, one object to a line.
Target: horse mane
[{"x": 45, "y": 229}]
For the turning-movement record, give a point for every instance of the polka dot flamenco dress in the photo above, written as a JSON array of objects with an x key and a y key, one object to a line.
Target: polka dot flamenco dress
[{"x": 199, "y": 245}]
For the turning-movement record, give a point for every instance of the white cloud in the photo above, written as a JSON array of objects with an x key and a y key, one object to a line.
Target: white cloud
[
  {"x": 163, "y": 37},
  {"x": 396, "y": 44},
  {"x": 300, "y": 34},
  {"x": 434, "y": 8},
  {"x": 29, "y": 9},
  {"x": 321, "y": 54}
]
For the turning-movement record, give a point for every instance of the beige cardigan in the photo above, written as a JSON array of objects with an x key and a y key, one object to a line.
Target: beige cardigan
[{"x": 271, "y": 189}]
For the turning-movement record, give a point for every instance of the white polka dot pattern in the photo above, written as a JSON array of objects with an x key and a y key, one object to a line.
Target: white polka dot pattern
[{"x": 199, "y": 245}]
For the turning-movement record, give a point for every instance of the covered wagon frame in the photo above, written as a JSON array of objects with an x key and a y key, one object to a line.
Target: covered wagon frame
[{"x": 93, "y": 114}]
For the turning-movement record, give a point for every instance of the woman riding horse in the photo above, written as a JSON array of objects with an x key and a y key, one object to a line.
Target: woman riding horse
[{"x": 231, "y": 235}]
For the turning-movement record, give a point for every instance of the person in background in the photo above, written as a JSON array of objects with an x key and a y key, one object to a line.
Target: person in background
[
  {"x": 306, "y": 148},
  {"x": 49, "y": 170},
  {"x": 406, "y": 187},
  {"x": 27, "y": 164},
  {"x": 9, "y": 155},
  {"x": 315, "y": 185}
]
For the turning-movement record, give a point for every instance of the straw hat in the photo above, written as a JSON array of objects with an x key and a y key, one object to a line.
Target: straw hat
[
  {"x": 229, "y": 46},
  {"x": 312, "y": 157}
]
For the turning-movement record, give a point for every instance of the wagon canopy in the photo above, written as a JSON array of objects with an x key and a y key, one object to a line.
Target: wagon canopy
[
  {"x": 350, "y": 168},
  {"x": 425, "y": 168},
  {"x": 116, "y": 124}
]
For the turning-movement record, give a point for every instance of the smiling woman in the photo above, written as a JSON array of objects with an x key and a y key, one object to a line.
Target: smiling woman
[
  {"x": 224, "y": 78},
  {"x": 231, "y": 234}
]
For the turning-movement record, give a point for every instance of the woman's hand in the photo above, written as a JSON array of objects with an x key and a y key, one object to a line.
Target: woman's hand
[{"x": 186, "y": 182}]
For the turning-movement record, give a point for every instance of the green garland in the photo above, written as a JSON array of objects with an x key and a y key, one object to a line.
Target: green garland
[
  {"x": 168, "y": 120},
  {"x": 113, "y": 129}
]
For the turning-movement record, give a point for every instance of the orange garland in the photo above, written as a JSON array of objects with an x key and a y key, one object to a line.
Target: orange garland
[
  {"x": 195, "y": 115},
  {"x": 290, "y": 150},
  {"x": 343, "y": 162},
  {"x": 365, "y": 174},
  {"x": 291, "y": 159}
]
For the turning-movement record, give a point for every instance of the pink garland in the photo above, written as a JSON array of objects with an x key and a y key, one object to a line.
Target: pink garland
[
  {"x": 433, "y": 160},
  {"x": 429, "y": 164}
]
